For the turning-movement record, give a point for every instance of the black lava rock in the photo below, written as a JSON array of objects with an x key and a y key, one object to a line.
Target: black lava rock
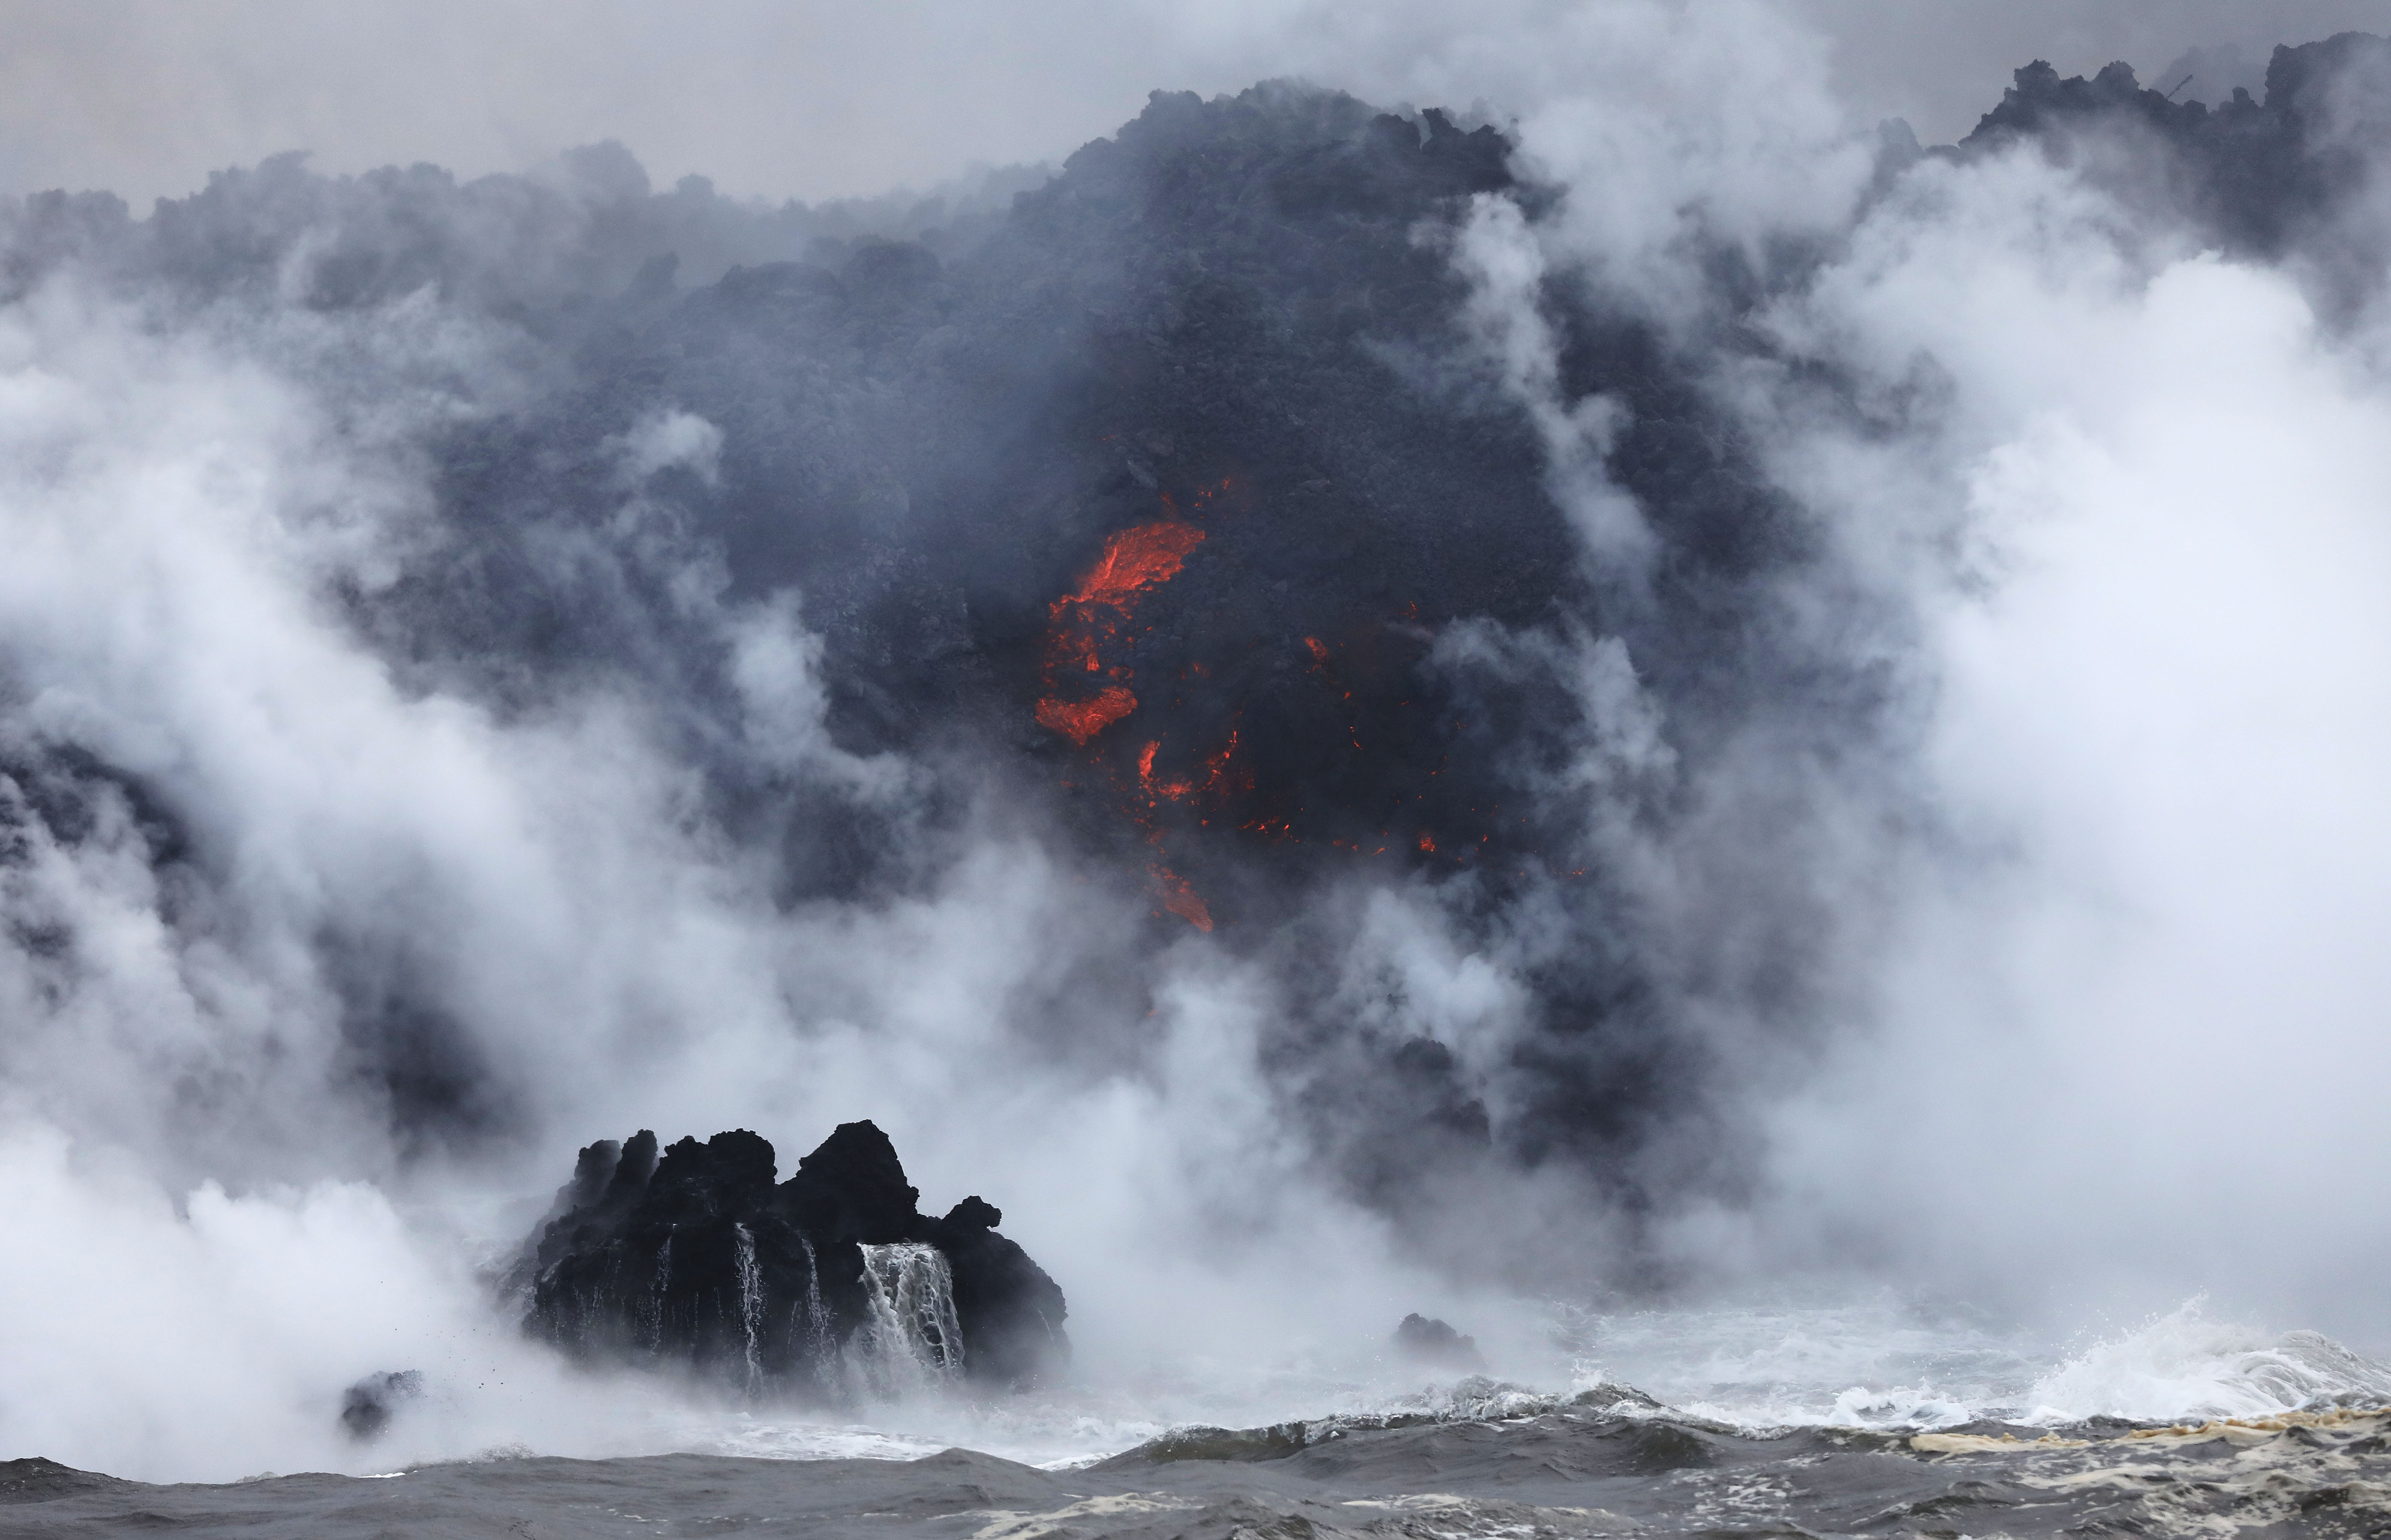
[
  {"x": 1425, "y": 1340},
  {"x": 1009, "y": 1309},
  {"x": 366, "y": 1406},
  {"x": 828, "y": 1284}
]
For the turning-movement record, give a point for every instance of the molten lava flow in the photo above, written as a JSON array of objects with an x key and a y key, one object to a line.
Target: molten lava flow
[
  {"x": 1083, "y": 720},
  {"x": 1223, "y": 776},
  {"x": 1090, "y": 621},
  {"x": 1168, "y": 791},
  {"x": 1134, "y": 560},
  {"x": 1179, "y": 897},
  {"x": 1088, "y": 635}
]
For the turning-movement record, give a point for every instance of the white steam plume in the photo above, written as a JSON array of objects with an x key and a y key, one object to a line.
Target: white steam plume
[
  {"x": 2137, "y": 1016},
  {"x": 2122, "y": 1038},
  {"x": 542, "y": 890}
]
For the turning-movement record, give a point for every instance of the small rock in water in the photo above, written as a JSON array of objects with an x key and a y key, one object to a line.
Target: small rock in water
[
  {"x": 366, "y": 1406},
  {"x": 1424, "y": 1340}
]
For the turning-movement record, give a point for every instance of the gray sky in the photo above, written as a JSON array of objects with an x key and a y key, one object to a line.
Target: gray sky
[{"x": 806, "y": 99}]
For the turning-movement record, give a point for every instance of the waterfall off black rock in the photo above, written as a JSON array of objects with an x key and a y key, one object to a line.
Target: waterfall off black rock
[{"x": 830, "y": 1282}]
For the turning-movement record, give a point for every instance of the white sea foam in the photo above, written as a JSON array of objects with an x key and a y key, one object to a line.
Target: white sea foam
[
  {"x": 1872, "y": 1363},
  {"x": 767, "y": 1438},
  {"x": 2187, "y": 1366}
]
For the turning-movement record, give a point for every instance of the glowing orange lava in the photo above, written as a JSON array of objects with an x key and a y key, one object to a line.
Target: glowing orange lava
[
  {"x": 1089, "y": 634},
  {"x": 1179, "y": 897},
  {"x": 1090, "y": 621},
  {"x": 1083, "y": 720},
  {"x": 1134, "y": 560},
  {"x": 1222, "y": 775}
]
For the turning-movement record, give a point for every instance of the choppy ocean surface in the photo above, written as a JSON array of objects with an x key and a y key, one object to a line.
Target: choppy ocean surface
[{"x": 1780, "y": 1421}]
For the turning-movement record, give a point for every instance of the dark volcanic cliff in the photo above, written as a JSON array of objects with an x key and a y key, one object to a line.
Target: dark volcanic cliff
[
  {"x": 830, "y": 1283},
  {"x": 1176, "y": 518}
]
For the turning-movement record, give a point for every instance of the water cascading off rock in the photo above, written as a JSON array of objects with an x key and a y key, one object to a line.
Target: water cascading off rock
[
  {"x": 912, "y": 1341},
  {"x": 828, "y": 1284}
]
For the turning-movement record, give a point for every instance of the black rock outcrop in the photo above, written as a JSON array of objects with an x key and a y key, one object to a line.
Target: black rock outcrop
[
  {"x": 1427, "y": 1340},
  {"x": 368, "y": 1405},
  {"x": 828, "y": 1284}
]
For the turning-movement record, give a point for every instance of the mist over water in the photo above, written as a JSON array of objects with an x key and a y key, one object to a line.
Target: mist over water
[{"x": 1853, "y": 894}]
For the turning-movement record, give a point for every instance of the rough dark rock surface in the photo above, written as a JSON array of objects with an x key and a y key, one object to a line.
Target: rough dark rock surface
[
  {"x": 1240, "y": 315},
  {"x": 1426, "y": 1340},
  {"x": 368, "y": 1405},
  {"x": 701, "y": 1258},
  {"x": 2261, "y": 178}
]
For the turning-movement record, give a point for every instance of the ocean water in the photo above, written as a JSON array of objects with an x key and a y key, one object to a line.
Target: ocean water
[{"x": 1874, "y": 1417}]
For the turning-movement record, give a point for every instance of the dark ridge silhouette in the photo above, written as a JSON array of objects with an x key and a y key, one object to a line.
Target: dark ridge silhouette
[{"x": 2264, "y": 179}]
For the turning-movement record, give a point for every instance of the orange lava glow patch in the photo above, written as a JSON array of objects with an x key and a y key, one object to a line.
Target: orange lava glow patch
[
  {"x": 1134, "y": 560},
  {"x": 1427, "y": 843},
  {"x": 1090, "y": 623},
  {"x": 1181, "y": 898},
  {"x": 1222, "y": 775},
  {"x": 1081, "y": 720},
  {"x": 1319, "y": 649},
  {"x": 1086, "y": 673}
]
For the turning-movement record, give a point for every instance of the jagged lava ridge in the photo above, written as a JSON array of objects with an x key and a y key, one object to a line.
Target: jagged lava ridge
[{"x": 829, "y": 1285}]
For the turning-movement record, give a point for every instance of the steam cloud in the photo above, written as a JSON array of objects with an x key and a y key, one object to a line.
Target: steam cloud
[{"x": 1772, "y": 701}]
